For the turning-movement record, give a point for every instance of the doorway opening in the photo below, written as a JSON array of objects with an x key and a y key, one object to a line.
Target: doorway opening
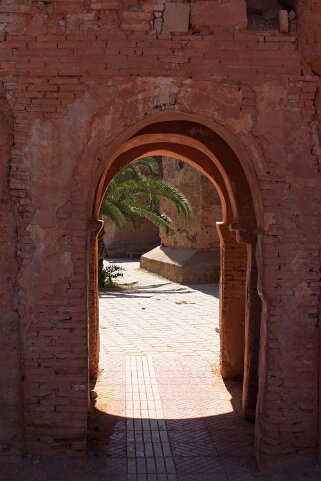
[{"x": 240, "y": 305}]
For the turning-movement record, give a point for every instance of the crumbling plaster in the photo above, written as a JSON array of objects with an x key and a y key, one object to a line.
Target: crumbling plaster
[{"x": 80, "y": 80}]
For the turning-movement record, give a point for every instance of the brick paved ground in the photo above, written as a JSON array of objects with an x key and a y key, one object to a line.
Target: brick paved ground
[
  {"x": 177, "y": 419},
  {"x": 159, "y": 359},
  {"x": 163, "y": 412}
]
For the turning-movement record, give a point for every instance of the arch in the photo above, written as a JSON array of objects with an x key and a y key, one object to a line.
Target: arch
[
  {"x": 216, "y": 153},
  {"x": 215, "y": 138},
  {"x": 179, "y": 148}
]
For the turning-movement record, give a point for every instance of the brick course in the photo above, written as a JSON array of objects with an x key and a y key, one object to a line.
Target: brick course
[{"x": 76, "y": 75}]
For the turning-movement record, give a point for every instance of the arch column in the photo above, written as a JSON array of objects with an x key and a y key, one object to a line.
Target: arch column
[
  {"x": 232, "y": 302},
  {"x": 93, "y": 306},
  {"x": 253, "y": 309},
  {"x": 222, "y": 160},
  {"x": 240, "y": 313}
]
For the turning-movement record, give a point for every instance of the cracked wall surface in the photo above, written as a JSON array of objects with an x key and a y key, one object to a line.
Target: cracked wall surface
[
  {"x": 10, "y": 376},
  {"x": 199, "y": 232},
  {"x": 76, "y": 75}
]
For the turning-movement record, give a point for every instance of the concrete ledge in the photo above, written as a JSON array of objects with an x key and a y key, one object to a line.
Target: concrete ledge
[{"x": 185, "y": 266}]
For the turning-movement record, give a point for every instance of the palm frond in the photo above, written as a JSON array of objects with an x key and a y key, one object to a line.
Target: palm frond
[
  {"x": 133, "y": 195},
  {"x": 157, "y": 189},
  {"x": 149, "y": 163},
  {"x": 111, "y": 210},
  {"x": 156, "y": 218}
]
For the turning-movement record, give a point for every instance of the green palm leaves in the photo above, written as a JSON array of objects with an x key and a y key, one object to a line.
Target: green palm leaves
[{"x": 135, "y": 194}]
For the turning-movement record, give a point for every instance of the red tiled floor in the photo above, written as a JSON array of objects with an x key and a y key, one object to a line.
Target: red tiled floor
[
  {"x": 179, "y": 411},
  {"x": 163, "y": 412},
  {"x": 183, "y": 422}
]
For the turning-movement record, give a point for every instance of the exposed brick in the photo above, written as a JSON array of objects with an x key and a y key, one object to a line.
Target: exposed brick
[
  {"x": 75, "y": 76},
  {"x": 209, "y": 16},
  {"x": 176, "y": 18}
]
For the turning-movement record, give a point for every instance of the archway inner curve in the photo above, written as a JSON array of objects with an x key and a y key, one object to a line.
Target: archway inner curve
[
  {"x": 179, "y": 149},
  {"x": 240, "y": 306},
  {"x": 224, "y": 162}
]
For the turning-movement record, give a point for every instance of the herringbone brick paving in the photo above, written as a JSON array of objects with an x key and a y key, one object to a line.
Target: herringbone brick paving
[
  {"x": 163, "y": 412},
  {"x": 183, "y": 422}
]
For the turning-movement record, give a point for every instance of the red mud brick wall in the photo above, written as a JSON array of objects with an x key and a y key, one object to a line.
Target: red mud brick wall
[
  {"x": 10, "y": 376},
  {"x": 198, "y": 232},
  {"x": 77, "y": 74}
]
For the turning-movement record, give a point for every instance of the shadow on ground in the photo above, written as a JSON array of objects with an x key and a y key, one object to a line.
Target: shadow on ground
[
  {"x": 210, "y": 448},
  {"x": 147, "y": 291}
]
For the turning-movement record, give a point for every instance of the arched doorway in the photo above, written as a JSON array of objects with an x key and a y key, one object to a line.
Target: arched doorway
[{"x": 221, "y": 159}]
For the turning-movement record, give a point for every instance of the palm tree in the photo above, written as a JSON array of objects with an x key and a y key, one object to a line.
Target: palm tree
[{"x": 135, "y": 194}]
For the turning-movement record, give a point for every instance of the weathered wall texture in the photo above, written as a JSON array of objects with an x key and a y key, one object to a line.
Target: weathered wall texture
[
  {"x": 76, "y": 75},
  {"x": 10, "y": 376},
  {"x": 130, "y": 241},
  {"x": 192, "y": 255},
  {"x": 309, "y": 24},
  {"x": 199, "y": 232}
]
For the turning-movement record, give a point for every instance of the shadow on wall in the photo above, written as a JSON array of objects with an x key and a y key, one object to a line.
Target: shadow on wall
[{"x": 271, "y": 14}]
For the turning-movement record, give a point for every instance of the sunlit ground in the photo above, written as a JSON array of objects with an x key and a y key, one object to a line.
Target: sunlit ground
[{"x": 163, "y": 412}]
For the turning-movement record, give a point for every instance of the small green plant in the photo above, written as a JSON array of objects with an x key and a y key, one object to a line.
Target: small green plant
[{"x": 108, "y": 274}]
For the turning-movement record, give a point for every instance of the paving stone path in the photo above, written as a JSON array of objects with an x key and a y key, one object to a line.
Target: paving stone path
[
  {"x": 177, "y": 420},
  {"x": 168, "y": 414},
  {"x": 163, "y": 412}
]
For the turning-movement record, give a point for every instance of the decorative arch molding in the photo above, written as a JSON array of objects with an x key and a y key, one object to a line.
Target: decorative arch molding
[
  {"x": 217, "y": 154},
  {"x": 224, "y": 149}
]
